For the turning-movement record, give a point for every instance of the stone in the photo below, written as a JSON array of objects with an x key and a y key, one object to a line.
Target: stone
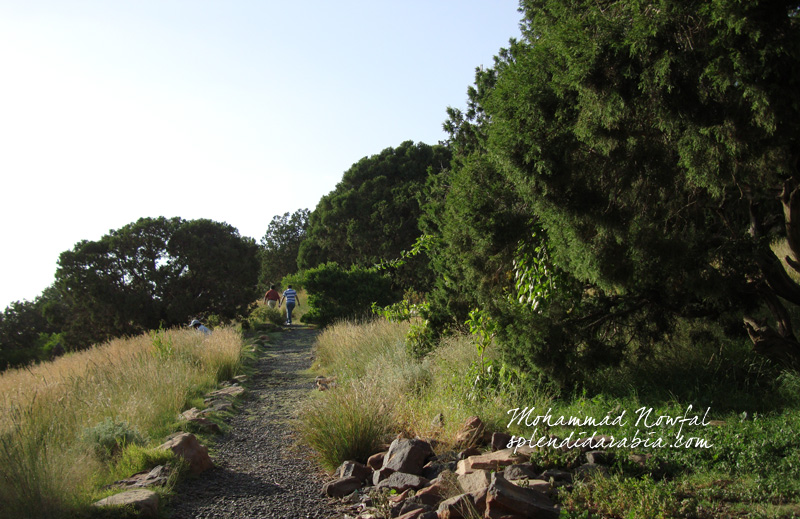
[
  {"x": 504, "y": 498},
  {"x": 375, "y": 462},
  {"x": 206, "y": 424},
  {"x": 355, "y": 469},
  {"x": 491, "y": 461},
  {"x": 191, "y": 413},
  {"x": 590, "y": 470},
  {"x": 401, "y": 481},
  {"x": 341, "y": 487},
  {"x": 500, "y": 441},
  {"x": 600, "y": 457},
  {"x": 413, "y": 514},
  {"x": 157, "y": 476},
  {"x": 412, "y": 506},
  {"x": 325, "y": 383},
  {"x": 471, "y": 433},
  {"x": 474, "y": 482},
  {"x": 145, "y": 501},
  {"x": 230, "y": 391},
  {"x": 557, "y": 475},
  {"x": 466, "y": 453},
  {"x": 380, "y": 475},
  {"x": 402, "y": 496},
  {"x": 521, "y": 471},
  {"x": 539, "y": 485},
  {"x": 457, "y": 507},
  {"x": 407, "y": 455},
  {"x": 241, "y": 379},
  {"x": 433, "y": 469},
  {"x": 187, "y": 447}
]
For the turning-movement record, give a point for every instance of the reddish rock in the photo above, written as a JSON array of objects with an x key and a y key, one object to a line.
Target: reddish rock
[
  {"x": 341, "y": 487},
  {"x": 458, "y": 507},
  {"x": 492, "y": 461},
  {"x": 500, "y": 441},
  {"x": 414, "y": 514},
  {"x": 375, "y": 462},
  {"x": 504, "y": 499},
  {"x": 431, "y": 495},
  {"x": 466, "y": 453},
  {"x": 355, "y": 469},
  {"x": 186, "y": 446},
  {"x": 471, "y": 433},
  {"x": 475, "y": 481},
  {"x": 398, "y": 498}
]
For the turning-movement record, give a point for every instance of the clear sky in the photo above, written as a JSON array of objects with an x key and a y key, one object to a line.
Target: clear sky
[{"x": 233, "y": 110}]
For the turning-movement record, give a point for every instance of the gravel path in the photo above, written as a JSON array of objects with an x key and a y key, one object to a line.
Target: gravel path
[{"x": 258, "y": 473}]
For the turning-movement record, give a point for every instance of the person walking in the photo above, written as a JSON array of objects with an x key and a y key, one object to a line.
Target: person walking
[
  {"x": 272, "y": 297},
  {"x": 290, "y": 296}
]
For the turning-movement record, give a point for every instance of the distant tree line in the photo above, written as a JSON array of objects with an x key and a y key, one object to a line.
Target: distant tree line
[{"x": 151, "y": 273}]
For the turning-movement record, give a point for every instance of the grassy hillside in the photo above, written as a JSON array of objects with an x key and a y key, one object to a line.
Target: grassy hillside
[{"x": 61, "y": 422}]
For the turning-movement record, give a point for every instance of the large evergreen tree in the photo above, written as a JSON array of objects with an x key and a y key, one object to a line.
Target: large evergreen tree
[
  {"x": 372, "y": 214},
  {"x": 653, "y": 147}
]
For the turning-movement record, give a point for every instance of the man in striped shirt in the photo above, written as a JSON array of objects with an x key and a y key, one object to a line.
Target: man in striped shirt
[{"x": 290, "y": 296}]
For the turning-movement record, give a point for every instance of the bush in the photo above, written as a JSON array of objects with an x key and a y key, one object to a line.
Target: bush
[
  {"x": 109, "y": 437},
  {"x": 264, "y": 314},
  {"x": 349, "y": 423},
  {"x": 335, "y": 293}
]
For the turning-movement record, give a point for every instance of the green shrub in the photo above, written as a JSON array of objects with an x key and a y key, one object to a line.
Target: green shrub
[
  {"x": 110, "y": 436},
  {"x": 335, "y": 293},
  {"x": 347, "y": 423},
  {"x": 264, "y": 314}
]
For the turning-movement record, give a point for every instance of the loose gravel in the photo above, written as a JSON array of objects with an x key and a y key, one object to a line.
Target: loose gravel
[{"x": 259, "y": 472}]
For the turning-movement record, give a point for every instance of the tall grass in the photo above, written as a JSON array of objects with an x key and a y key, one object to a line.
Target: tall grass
[
  {"x": 48, "y": 467},
  {"x": 413, "y": 395}
]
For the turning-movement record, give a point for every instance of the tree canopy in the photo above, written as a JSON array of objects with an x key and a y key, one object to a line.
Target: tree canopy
[
  {"x": 281, "y": 245},
  {"x": 650, "y": 147},
  {"x": 372, "y": 213},
  {"x": 153, "y": 272}
]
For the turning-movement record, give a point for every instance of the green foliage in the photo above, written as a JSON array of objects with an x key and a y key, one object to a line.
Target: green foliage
[
  {"x": 25, "y": 334},
  {"x": 162, "y": 344},
  {"x": 109, "y": 437},
  {"x": 345, "y": 424},
  {"x": 137, "y": 458},
  {"x": 264, "y": 314},
  {"x": 621, "y": 162},
  {"x": 153, "y": 272},
  {"x": 336, "y": 293},
  {"x": 281, "y": 245},
  {"x": 372, "y": 214}
]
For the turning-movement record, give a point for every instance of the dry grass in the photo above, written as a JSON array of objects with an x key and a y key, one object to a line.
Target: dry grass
[
  {"x": 46, "y": 466},
  {"x": 372, "y": 356}
]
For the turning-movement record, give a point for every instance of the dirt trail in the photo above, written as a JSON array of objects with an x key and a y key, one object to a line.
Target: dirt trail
[{"x": 258, "y": 472}]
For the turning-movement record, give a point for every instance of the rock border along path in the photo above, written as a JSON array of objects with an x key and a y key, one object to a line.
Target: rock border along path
[{"x": 259, "y": 473}]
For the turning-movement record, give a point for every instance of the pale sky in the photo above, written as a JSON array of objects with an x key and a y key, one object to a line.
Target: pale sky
[{"x": 237, "y": 111}]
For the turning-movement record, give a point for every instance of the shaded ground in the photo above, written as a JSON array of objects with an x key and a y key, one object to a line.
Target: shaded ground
[{"x": 258, "y": 471}]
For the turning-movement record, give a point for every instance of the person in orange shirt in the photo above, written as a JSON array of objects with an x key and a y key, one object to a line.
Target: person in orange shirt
[{"x": 272, "y": 297}]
